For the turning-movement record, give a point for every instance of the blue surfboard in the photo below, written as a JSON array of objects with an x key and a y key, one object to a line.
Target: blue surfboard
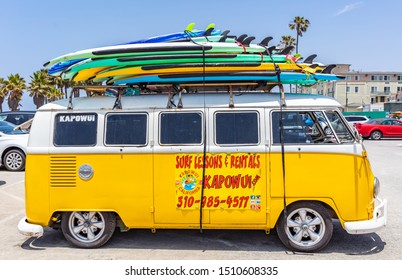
[{"x": 189, "y": 32}]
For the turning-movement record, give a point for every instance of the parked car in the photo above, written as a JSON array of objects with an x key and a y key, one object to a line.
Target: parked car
[
  {"x": 13, "y": 145},
  {"x": 17, "y": 117},
  {"x": 396, "y": 115},
  {"x": 354, "y": 119},
  {"x": 379, "y": 128}
]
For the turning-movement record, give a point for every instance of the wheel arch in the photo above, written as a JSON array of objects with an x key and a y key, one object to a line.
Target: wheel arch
[
  {"x": 9, "y": 149},
  {"x": 328, "y": 204},
  {"x": 17, "y": 149},
  {"x": 308, "y": 232},
  {"x": 56, "y": 217}
]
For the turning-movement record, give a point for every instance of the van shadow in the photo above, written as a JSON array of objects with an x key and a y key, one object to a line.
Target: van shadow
[{"x": 216, "y": 240}]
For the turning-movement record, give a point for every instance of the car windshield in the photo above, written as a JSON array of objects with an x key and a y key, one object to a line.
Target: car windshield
[
  {"x": 375, "y": 121},
  {"x": 8, "y": 128}
]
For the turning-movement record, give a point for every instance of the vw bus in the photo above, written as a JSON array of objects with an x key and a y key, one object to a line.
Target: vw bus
[{"x": 249, "y": 163}]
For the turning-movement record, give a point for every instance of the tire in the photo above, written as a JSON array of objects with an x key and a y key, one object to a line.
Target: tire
[
  {"x": 307, "y": 227},
  {"x": 88, "y": 229},
  {"x": 376, "y": 135},
  {"x": 14, "y": 160}
]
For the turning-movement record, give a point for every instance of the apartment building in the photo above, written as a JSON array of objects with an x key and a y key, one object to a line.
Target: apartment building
[{"x": 362, "y": 90}]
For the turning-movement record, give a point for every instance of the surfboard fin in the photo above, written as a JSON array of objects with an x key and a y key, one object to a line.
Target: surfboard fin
[
  {"x": 225, "y": 33},
  {"x": 246, "y": 42},
  {"x": 310, "y": 59},
  {"x": 223, "y": 39},
  {"x": 190, "y": 27},
  {"x": 241, "y": 38},
  {"x": 270, "y": 50},
  {"x": 328, "y": 69},
  {"x": 265, "y": 41},
  {"x": 286, "y": 50},
  {"x": 208, "y": 32},
  {"x": 211, "y": 25}
]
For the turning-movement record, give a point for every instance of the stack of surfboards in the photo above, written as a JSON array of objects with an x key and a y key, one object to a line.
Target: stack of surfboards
[{"x": 190, "y": 57}]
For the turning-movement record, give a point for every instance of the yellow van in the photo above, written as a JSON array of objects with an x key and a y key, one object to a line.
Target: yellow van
[{"x": 210, "y": 163}]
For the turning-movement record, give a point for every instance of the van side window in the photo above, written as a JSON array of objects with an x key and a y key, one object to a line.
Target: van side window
[
  {"x": 177, "y": 128},
  {"x": 295, "y": 127},
  {"x": 233, "y": 128},
  {"x": 126, "y": 129},
  {"x": 75, "y": 129}
]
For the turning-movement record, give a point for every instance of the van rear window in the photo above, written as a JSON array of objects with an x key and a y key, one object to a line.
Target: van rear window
[
  {"x": 180, "y": 128},
  {"x": 75, "y": 129},
  {"x": 126, "y": 129}
]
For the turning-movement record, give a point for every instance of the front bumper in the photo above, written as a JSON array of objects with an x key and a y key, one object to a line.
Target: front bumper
[
  {"x": 28, "y": 229},
  {"x": 378, "y": 221}
]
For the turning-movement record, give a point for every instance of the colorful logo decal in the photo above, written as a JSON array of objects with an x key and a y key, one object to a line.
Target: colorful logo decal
[{"x": 188, "y": 183}]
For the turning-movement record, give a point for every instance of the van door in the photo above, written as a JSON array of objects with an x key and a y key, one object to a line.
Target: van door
[
  {"x": 178, "y": 150},
  {"x": 235, "y": 178},
  {"x": 321, "y": 160}
]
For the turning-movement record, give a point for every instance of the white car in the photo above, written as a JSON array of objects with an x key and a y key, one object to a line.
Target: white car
[
  {"x": 352, "y": 119},
  {"x": 13, "y": 146}
]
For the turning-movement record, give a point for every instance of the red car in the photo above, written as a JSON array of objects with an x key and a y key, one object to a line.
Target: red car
[{"x": 379, "y": 128}]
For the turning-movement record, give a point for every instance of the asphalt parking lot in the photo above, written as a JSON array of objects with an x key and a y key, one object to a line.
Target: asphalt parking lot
[{"x": 386, "y": 160}]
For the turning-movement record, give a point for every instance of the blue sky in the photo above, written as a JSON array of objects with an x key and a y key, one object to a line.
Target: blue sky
[{"x": 366, "y": 34}]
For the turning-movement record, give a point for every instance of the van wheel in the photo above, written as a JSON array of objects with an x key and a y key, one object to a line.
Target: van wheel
[
  {"x": 88, "y": 229},
  {"x": 14, "y": 160},
  {"x": 376, "y": 135},
  {"x": 307, "y": 227}
]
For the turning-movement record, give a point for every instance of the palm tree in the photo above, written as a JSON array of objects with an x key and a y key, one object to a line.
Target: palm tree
[
  {"x": 54, "y": 94},
  {"x": 286, "y": 41},
  {"x": 301, "y": 25},
  {"x": 13, "y": 87},
  {"x": 39, "y": 87},
  {"x": 61, "y": 84},
  {"x": 2, "y": 93}
]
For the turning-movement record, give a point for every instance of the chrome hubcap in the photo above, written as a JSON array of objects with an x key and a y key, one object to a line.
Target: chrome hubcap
[
  {"x": 14, "y": 160},
  {"x": 87, "y": 226},
  {"x": 305, "y": 227}
]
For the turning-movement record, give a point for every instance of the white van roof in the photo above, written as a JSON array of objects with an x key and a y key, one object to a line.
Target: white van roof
[{"x": 198, "y": 100}]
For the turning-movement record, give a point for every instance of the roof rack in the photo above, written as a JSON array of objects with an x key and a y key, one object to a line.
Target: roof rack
[{"x": 146, "y": 89}]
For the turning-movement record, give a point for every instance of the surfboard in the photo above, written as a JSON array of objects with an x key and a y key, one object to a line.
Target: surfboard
[
  {"x": 116, "y": 63},
  {"x": 157, "y": 49},
  {"x": 186, "y": 68},
  {"x": 264, "y": 76},
  {"x": 59, "y": 67},
  {"x": 188, "y": 32},
  {"x": 206, "y": 58}
]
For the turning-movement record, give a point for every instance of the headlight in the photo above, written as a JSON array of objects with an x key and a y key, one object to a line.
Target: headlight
[{"x": 376, "y": 186}]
